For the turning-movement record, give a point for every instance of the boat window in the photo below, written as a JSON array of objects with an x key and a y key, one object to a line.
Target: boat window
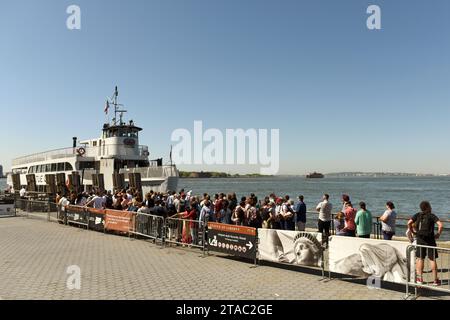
[
  {"x": 48, "y": 167},
  {"x": 53, "y": 167},
  {"x": 86, "y": 165},
  {"x": 60, "y": 166},
  {"x": 68, "y": 167},
  {"x": 94, "y": 143}
]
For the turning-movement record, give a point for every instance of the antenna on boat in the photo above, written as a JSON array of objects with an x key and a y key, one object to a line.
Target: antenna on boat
[{"x": 116, "y": 109}]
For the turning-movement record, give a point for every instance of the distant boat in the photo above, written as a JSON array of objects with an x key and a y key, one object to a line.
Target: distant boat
[{"x": 314, "y": 175}]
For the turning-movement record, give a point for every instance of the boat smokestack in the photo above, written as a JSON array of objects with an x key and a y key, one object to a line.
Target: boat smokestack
[{"x": 74, "y": 142}]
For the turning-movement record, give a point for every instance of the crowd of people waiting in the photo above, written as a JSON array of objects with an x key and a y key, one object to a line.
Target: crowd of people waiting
[{"x": 273, "y": 212}]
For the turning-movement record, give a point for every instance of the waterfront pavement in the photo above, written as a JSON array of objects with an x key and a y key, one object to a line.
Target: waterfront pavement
[{"x": 35, "y": 255}]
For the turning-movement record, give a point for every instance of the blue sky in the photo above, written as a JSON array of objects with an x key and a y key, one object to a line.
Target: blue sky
[{"x": 344, "y": 98}]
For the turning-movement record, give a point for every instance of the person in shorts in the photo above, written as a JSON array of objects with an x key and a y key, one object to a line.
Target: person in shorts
[{"x": 424, "y": 229}]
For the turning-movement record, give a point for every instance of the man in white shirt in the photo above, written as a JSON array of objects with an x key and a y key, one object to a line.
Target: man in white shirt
[
  {"x": 324, "y": 208},
  {"x": 98, "y": 202},
  {"x": 129, "y": 195},
  {"x": 22, "y": 193}
]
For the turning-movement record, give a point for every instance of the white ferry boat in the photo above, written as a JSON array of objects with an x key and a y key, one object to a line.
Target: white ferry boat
[{"x": 117, "y": 150}]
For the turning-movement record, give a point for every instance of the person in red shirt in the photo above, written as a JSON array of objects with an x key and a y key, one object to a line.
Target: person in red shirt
[
  {"x": 189, "y": 234},
  {"x": 350, "y": 214}
]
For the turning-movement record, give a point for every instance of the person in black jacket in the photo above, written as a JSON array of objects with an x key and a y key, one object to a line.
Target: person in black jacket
[{"x": 425, "y": 222}]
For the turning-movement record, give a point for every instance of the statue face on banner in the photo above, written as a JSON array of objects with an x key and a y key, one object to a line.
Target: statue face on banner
[{"x": 306, "y": 251}]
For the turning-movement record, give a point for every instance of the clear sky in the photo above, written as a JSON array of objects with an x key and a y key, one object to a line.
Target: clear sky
[{"x": 345, "y": 98}]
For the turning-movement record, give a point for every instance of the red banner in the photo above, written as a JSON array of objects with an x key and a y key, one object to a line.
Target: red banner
[{"x": 119, "y": 220}]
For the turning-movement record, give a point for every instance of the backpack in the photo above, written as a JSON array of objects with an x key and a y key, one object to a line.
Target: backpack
[{"x": 424, "y": 224}]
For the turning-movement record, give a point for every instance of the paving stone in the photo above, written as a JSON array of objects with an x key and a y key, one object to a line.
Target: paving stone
[{"x": 35, "y": 255}]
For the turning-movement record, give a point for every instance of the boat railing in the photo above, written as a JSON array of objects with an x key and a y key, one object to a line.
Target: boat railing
[
  {"x": 152, "y": 172},
  {"x": 44, "y": 156},
  {"x": 103, "y": 150}
]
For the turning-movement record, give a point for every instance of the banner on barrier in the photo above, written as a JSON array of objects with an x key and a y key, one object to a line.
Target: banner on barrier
[
  {"x": 6, "y": 209},
  {"x": 96, "y": 219},
  {"x": 292, "y": 247},
  {"x": 119, "y": 220},
  {"x": 384, "y": 259},
  {"x": 76, "y": 214},
  {"x": 231, "y": 239}
]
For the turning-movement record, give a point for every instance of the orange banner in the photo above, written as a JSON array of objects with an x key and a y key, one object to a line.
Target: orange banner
[
  {"x": 76, "y": 208},
  {"x": 96, "y": 211},
  {"x": 232, "y": 228},
  {"x": 119, "y": 220}
]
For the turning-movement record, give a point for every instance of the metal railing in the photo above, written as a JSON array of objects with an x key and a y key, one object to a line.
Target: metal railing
[
  {"x": 312, "y": 216},
  {"x": 90, "y": 152},
  {"x": 38, "y": 208},
  {"x": 193, "y": 233},
  {"x": 149, "y": 226},
  {"x": 428, "y": 256},
  {"x": 43, "y": 156},
  {"x": 185, "y": 232},
  {"x": 152, "y": 171}
]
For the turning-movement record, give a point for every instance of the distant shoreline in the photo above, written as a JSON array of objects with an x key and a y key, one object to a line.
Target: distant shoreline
[
  {"x": 218, "y": 175},
  {"x": 211, "y": 174}
]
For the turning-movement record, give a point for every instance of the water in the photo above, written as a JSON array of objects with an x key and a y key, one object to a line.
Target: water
[{"x": 405, "y": 192}]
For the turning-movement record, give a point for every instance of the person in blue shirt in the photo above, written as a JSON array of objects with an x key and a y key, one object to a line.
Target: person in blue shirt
[{"x": 300, "y": 210}]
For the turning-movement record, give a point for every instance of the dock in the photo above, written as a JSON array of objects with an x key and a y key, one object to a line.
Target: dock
[{"x": 35, "y": 256}]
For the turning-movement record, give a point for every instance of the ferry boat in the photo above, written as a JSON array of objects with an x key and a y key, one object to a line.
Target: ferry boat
[
  {"x": 117, "y": 150},
  {"x": 314, "y": 175}
]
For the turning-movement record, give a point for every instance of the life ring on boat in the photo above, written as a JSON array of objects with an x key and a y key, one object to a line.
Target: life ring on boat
[{"x": 81, "y": 151}]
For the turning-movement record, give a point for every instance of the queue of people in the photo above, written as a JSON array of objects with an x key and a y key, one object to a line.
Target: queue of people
[{"x": 273, "y": 212}]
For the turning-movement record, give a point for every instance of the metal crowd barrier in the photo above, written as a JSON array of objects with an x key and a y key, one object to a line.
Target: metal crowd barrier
[
  {"x": 36, "y": 207},
  {"x": 185, "y": 232},
  {"x": 149, "y": 226},
  {"x": 442, "y": 268},
  {"x": 77, "y": 215},
  {"x": 193, "y": 233}
]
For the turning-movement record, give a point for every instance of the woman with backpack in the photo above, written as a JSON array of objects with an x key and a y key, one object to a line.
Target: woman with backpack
[{"x": 424, "y": 222}]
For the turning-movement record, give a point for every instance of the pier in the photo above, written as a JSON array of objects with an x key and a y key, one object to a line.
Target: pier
[{"x": 36, "y": 254}]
